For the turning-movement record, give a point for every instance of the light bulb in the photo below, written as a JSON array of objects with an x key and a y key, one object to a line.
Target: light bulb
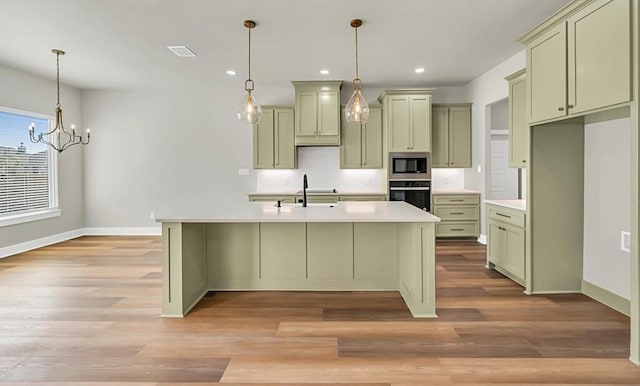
[
  {"x": 249, "y": 110},
  {"x": 357, "y": 109}
]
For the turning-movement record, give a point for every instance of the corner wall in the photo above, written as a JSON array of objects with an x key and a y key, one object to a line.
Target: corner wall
[
  {"x": 482, "y": 91},
  {"x": 27, "y": 92}
]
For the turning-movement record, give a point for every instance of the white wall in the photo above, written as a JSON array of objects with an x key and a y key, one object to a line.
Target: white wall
[
  {"x": 483, "y": 91},
  {"x": 26, "y": 92},
  {"x": 607, "y": 205}
]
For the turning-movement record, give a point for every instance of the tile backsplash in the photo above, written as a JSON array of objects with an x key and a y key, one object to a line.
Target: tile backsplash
[{"x": 322, "y": 167}]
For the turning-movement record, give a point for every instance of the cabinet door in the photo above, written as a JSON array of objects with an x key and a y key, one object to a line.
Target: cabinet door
[
  {"x": 518, "y": 128},
  {"x": 420, "y": 122},
  {"x": 285, "y": 147},
  {"x": 515, "y": 251},
  {"x": 547, "y": 75},
  {"x": 599, "y": 56},
  {"x": 497, "y": 244},
  {"x": 372, "y": 140},
  {"x": 350, "y": 145},
  {"x": 440, "y": 137},
  {"x": 460, "y": 137},
  {"x": 328, "y": 115},
  {"x": 263, "y": 157},
  {"x": 398, "y": 123},
  {"x": 306, "y": 113}
]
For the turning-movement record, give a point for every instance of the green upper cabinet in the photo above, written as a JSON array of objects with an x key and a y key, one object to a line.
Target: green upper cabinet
[
  {"x": 451, "y": 135},
  {"x": 317, "y": 118},
  {"x": 518, "y": 128},
  {"x": 361, "y": 145},
  {"x": 599, "y": 59},
  {"x": 407, "y": 119},
  {"x": 273, "y": 139},
  {"x": 580, "y": 60}
]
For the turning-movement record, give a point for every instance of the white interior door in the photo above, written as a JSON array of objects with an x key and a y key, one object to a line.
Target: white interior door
[{"x": 504, "y": 180}]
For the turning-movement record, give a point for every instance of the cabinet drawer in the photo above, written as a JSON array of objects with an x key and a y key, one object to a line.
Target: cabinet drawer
[
  {"x": 457, "y": 229},
  {"x": 380, "y": 197},
  {"x": 455, "y": 213},
  {"x": 456, "y": 199},
  {"x": 513, "y": 217}
]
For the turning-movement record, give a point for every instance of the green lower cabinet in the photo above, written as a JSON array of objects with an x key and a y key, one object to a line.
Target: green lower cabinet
[
  {"x": 376, "y": 197},
  {"x": 330, "y": 251},
  {"x": 289, "y": 198},
  {"x": 283, "y": 249},
  {"x": 459, "y": 214},
  {"x": 506, "y": 247},
  {"x": 374, "y": 251}
]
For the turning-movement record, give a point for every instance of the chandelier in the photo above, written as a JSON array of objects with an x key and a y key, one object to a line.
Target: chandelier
[{"x": 58, "y": 138}]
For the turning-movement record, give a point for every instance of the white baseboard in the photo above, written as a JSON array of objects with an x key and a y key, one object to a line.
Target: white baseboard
[
  {"x": 115, "y": 231},
  {"x": 39, "y": 243},
  {"x": 60, "y": 237},
  {"x": 482, "y": 239}
]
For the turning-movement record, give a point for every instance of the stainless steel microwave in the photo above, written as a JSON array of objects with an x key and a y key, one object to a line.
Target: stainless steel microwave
[{"x": 410, "y": 166}]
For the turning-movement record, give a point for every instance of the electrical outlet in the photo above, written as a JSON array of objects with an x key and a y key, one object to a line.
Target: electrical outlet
[
  {"x": 479, "y": 168},
  {"x": 243, "y": 172},
  {"x": 152, "y": 215},
  {"x": 625, "y": 241}
]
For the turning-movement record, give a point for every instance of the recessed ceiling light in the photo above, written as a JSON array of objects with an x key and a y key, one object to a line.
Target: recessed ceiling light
[
  {"x": 324, "y": 72},
  {"x": 231, "y": 72},
  {"x": 182, "y": 51},
  {"x": 419, "y": 70}
]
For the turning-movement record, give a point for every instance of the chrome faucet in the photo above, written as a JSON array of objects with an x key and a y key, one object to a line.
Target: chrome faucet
[{"x": 305, "y": 185}]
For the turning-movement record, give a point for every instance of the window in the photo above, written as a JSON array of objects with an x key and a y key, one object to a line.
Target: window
[{"x": 28, "y": 171}]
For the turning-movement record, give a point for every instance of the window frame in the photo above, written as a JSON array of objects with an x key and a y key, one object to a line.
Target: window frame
[{"x": 52, "y": 158}]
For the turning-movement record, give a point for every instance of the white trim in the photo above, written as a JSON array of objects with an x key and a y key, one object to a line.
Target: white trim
[
  {"x": 30, "y": 216},
  {"x": 27, "y": 113},
  {"x": 39, "y": 243},
  {"x": 115, "y": 231},
  {"x": 482, "y": 239}
]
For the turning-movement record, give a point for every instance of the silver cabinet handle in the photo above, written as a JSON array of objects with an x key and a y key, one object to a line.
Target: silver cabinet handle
[
  {"x": 560, "y": 108},
  {"x": 503, "y": 215}
]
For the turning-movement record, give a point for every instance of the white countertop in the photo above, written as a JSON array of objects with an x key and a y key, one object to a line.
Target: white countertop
[
  {"x": 454, "y": 191},
  {"x": 512, "y": 204},
  {"x": 344, "y": 211}
]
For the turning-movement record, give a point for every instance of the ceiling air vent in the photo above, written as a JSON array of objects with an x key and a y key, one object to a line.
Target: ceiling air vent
[{"x": 182, "y": 51}]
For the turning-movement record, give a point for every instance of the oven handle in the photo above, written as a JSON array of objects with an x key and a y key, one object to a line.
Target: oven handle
[{"x": 409, "y": 188}]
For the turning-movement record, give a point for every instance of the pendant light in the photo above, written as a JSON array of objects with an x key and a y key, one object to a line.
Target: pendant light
[
  {"x": 357, "y": 109},
  {"x": 249, "y": 110},
  {"x": 58, "y": 138}
]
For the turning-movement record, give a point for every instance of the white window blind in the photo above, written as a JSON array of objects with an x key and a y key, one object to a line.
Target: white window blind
[{"x": 27, "y": 170}]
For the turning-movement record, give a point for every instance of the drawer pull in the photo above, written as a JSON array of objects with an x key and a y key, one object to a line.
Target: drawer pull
[
  {"x": 457, "y": 213},
  {"x": 457, "y": 229},
  {"x": 503, "y": 215},
  {"x": 451, "y": 200}
]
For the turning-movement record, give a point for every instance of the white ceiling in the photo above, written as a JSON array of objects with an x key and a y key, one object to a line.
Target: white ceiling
[{"x": 122, "y": 43}]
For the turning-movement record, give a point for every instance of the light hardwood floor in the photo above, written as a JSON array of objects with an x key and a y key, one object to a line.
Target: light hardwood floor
[{"x": 86, "y": 312}]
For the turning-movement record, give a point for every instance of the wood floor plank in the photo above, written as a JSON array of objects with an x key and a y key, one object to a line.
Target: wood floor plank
[{"x": 366, "y": 329}]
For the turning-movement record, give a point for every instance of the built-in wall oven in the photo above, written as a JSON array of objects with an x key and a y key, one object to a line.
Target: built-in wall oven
[{"x": 410, "y": 178}]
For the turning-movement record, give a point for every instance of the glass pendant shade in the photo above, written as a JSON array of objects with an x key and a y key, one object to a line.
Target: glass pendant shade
[
  {"x": 357, "y": 109},
  {"x": 249, "y": 110}
]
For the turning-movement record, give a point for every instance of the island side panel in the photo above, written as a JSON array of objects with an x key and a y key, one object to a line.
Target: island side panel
[
  {"x": 194, "y": 264},
  {"x": 416, "y": 267},
  {"x": 172, "y": 270}
]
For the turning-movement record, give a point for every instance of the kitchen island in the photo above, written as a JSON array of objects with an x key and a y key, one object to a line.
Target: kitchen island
[{"x": 346, "y": 246}]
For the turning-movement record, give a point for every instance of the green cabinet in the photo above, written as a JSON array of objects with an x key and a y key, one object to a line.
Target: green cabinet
[
  {"x": 407, "y": 119},
  {"x": 459, "y": 214},
  {"x": 518, "y": 127},
  {"x": 273, "y": 139},
  {"x": 361, "y": 145},
  {"x": 317, "y": 118},
  {"x": 506, "y": 241},
  {"x": 451, "y": 135},
  {"x": 582, "y": 63}
]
